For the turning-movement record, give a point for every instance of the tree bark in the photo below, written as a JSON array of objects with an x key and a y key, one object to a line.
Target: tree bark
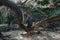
[{"x": 44, "y": 22}]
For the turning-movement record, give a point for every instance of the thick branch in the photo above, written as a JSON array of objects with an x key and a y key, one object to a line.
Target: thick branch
[{"x": 44, "y": 22}]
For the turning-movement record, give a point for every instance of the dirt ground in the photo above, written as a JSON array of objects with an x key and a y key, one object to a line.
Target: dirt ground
[{"x": 46, "y": 35}]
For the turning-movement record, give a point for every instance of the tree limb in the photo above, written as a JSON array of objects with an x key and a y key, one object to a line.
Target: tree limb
[
  {"x": 44, "y": 22},
  {"x": 24, "y": 2}
]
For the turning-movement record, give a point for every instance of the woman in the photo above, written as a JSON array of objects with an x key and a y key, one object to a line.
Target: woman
[{"x": 30, "y": 22}]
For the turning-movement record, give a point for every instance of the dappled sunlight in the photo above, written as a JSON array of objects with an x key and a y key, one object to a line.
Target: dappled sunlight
[
  {"x": 44, "y": 36},
  {"x": 15, "y": 1},
  {"x": 29, "y": 20}
]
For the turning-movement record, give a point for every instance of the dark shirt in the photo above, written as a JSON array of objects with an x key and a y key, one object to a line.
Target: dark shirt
[{"x": 29, "y": 21}]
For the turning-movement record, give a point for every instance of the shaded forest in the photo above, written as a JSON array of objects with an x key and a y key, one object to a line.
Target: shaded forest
[{"x": 45, "y": 12}]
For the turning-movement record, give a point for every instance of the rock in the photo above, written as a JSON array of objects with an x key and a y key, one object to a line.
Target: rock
[{"x": 16, "y": 35}]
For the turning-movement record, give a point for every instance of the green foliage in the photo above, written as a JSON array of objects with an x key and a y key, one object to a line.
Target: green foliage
[
  {"x": 43, "y": 2},
  {"x": 7, "y": 15},
  {"x": 3, "y": 14}
]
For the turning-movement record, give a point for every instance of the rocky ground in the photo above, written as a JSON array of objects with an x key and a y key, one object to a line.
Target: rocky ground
[{"x": 46, "y": 35}]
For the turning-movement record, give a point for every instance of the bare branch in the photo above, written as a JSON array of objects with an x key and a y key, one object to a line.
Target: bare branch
[
  {"x": 44, "y": 22},
  {"x": 24, "y": 2}
]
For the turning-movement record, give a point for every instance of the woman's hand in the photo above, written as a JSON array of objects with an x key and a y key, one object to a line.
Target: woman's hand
[{"x": 33, "y": 24}]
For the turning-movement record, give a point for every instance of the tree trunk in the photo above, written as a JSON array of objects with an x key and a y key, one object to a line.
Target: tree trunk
[{"x": 16, "y": 9}]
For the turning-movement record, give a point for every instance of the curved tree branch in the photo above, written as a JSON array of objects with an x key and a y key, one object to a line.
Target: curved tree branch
[
  {"x": 25, "y": 1},
  {"x": 16, "y": 9},
  {"x": 44, "y": 22}
]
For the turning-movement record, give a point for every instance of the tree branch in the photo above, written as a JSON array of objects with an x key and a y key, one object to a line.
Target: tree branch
[
  {"x": 44, "y": 22},
  {"x": 24, "y": 2}
]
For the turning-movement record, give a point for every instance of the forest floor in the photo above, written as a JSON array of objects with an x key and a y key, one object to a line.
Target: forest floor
[{"x": 46, "y": 35}]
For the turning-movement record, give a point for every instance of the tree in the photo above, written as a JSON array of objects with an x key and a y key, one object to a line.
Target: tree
[
  {"x": 14, "y": 7},
  {"x": 34, "y": 6}
]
